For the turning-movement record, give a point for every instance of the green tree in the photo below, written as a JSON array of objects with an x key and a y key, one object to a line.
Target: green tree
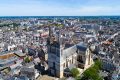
[
  {"x": 75, "y": 72},
  {"x": 93, "y": 72},
  {"x": 27, "y": 60},
  {"x": 98, "y": 64}
]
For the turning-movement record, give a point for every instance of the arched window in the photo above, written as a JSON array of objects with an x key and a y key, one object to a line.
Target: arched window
[
  {"x": 57, "y": 52},
  {"x": 64, "y": 65},
  {"x": 80, "y": 59},
  {"x": 53, "y": 50},
  {"x": 89, "y": 59}
]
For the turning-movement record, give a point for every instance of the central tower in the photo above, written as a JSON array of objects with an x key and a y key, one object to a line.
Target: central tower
[{"x": 54, "y": 54}]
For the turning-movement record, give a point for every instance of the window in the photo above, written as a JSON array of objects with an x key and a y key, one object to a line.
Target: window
[
  {"x": 54, "y": 65},
  {"x": 64, "y": 65},
  {"x": 89, "y": 60},
  {"x": 52, "y": 50},
  {"x": 80, "y": 59},
  {"x": 67, "y": 64},
  {"x": 72, "y": 60},
  {"x": 58, "y": 52}
]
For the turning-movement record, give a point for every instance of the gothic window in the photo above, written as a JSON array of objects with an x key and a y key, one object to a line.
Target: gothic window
[
  {"x": 72, "y": 60},
  {"x": 61, "y": 53},
  {"x": 54, "y": 65},
  {"x": 80, "y": 59},
  {"x": 64, "y": 65},
  {"x": 52, "y": 50},
  {"x": 58, "y": 52},
  {"x": 89, "y": 60}
]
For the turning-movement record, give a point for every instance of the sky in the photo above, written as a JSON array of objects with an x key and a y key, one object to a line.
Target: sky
[{"x": 59, "y": 7}]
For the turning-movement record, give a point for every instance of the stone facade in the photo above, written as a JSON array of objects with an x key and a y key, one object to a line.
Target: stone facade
[{"x": 60, "y": 58}]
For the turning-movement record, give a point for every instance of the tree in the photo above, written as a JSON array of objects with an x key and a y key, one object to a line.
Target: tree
[
  {"x": 27, "y": 60},
  {"x": 93, "y": 72},
  {"x": 98, "y": 64},
  {"x": 75, "y": 72}
]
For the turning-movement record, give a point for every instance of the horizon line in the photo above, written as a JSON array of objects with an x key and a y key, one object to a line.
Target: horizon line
[{"x": 56, "y": 15}]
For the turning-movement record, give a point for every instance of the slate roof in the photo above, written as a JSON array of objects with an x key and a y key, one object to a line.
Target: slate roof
[
  {"x": 73, "y": 50},
  {"x": 19, "y": 78},
  {"x": 27, "y": 69},
  {"x": 68, "y": 45},
  {"x": 82, "y": 46},
  {"x": 19, "y": 53},
  {"x": 69, "y": 51},
  {"x": 67, "y": 70}
]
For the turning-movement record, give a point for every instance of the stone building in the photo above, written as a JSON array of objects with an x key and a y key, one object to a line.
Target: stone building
[{"x": 62, "y": 55}]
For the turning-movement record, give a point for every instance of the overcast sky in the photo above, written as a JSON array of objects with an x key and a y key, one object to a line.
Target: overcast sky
[{"x": 59, "y": 7}]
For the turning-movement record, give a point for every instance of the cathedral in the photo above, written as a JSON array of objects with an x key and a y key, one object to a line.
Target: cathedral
[{"x": 64, "y": 54}]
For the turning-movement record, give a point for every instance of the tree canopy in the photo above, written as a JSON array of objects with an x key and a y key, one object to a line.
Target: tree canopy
[
  {"x": 93, "y": 72},
  {"x": 27, "y": 60},
  {"x": 75, "y": 72}
]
